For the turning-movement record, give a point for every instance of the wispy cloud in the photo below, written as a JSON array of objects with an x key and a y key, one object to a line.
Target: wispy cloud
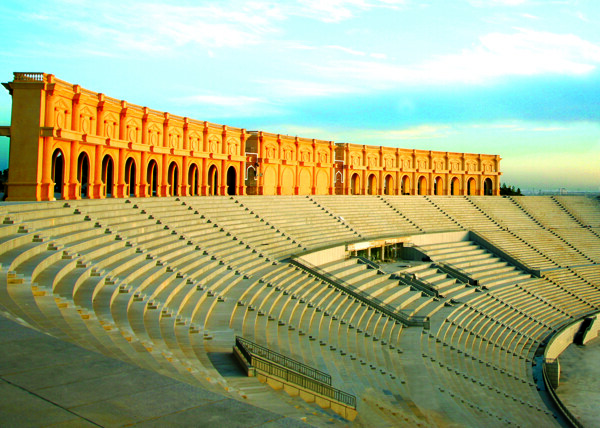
[
  {"x": 224, "y": 106},
  {"x": 282, "y": 88},
  {"x": 522, "y": 53}
]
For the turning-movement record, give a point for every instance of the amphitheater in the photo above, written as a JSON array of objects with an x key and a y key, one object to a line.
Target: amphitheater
[
  {"x": 253, "y": 310},
  {"x": 166, "y": 283}
]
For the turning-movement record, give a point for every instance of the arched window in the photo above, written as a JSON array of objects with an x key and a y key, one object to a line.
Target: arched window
[
  {"x": 213, "y": 180},
  {"x": 152, "y": 178},
  {"x": 231, "y": 180},
  {"x": 173, "y": 179},
  {"x": 58, "y": 176},
  {"x": 455, "y": 186},
  {"x": 471, "y": 187},
  {"x": 372, "y": 185},
  {"x": 422, "y": 185},
  {"x": 388, "y": 185},
  {"x": 488, "y": 187},
  {"x": 107, "y": 176},
  {"x": 438, "y": 187},
  {"x": 405, "y": 186},
  {"x": 130, "y": 177},
  {"x": 355, "y": 184},
  {"x": 193, "y": 179},
  {"x": 83, "y": 174}
]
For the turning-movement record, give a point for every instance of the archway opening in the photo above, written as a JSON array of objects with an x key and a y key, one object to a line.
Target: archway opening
[
  {"x": 231, "y": 180},
  {"x": 355, "y": 184},
  {"x": 193, "y": 179},
  {"x": 422, "y": 185},
  {"x": 405, "y": 186},
  {"x": 173, "y": 179},
  {"x": 388, "y": 185},
  {"x": 83, "y": 175},
  {"x": 471, "y": 187},
  {"x": 213, "y": 179},
  {"x": 455, "y": 186},
  {"x": 58, "y": 177},
  {"x": 438, "y": 188},
  {"x": 488, "y": 187},
  {"x": 152, "y": 178},
  {"x": 130, "y": 177},
  {"x": 372, "y": 185},
  {"x": 107, "y": 176}
]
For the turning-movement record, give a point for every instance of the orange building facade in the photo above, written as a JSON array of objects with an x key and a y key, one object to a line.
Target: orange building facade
[{"x": 71, "y": 143}]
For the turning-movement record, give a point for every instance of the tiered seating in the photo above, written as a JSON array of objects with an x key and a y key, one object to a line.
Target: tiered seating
[
  {"x": 368, "y": 215},
  {"x": 167, "y": 283},
  {"x": 585, "y": 210},
  {"x": 420, "y": 212},
  {"x": 563, "y": 224},
  {"x": 300, "y": 219}
]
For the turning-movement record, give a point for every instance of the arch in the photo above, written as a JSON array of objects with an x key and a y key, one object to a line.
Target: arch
[
  {"x": 422, "y": 185},
  {"x": 83, "y": 174},
  {"x": 455, "y": 186},
  {"x": 270, "y": 181},
  {"x": 58, "y": 173},
  {"x": 322, "y": 187},
  {"x": 287, "y": 182},
  {"x": 193, "y": 179},
  {"x": 488, "y": 187},
  {"x": 438, "y": 186},
  {"x": 173, "y": 179},
  {"x": 355, "y": 184},
  {"x": 213, "y": 180},
  {"x": 304, "y": 182},
  {"x": 152, "y": 178},
  {"x": 388, "y": 185},
  {"x": 130, "y": 177},
  {"x": 107, "y": 175},
  {"x": 372, "y": 185},
  {"x": 231, "y": 180},
  {"x": 405, "y": 185},
  {"x": 471, "y": 186}
]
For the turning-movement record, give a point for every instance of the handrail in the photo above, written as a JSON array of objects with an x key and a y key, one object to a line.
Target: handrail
[
  {"x": 424, "y": 286},
  {"x": 303, "y": 381},
  {"x": 28, "y": 76},
  {"x": 368, "y": 262},
  {"x": 261, "y": 351},
  {"x": 396, "y": 314},
  {"x": 455, "y": 272},
  {"x": 256, "y": 356}
]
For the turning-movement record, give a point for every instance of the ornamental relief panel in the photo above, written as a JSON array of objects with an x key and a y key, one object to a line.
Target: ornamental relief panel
[
  {"x": 455, "y": 165},
  {"x": 287, "y": 153},
  {"x": 233, "y": 146},
  {"x": 110, "y": 126},
  {"x": 175, "y": 138},
  {"x": 323, "y": 157},
  {"x": 214, "y": 143},
  {"x": 438, "y": 164},
  {"x": 356, "y": 159},
  {"x": 87, "y": 118},
  {"x": 422, "y": 163},
  {"x": 154, "y": 134},
  {"x": 270, "y": 151},
  {"x": 132, "y": 131},
  {"x": 389, "y": 162},
  {"x": 471, "y": 166},
  {"x": 195, "y": 141},
  {"x": 372, "y": 161},
  {"x": 61, "y": 115},
  {"x": 305, "y": 155},
  {"x": 406, "y": 163}
]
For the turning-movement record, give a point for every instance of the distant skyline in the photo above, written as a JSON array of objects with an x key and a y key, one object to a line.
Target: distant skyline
[{"x": 518, "y": 78}]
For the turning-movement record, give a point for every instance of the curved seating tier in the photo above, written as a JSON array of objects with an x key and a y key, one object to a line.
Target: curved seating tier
[{"x": 167, "y": 283}]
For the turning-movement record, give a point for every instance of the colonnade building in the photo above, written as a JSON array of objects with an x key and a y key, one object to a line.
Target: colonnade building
[{"x": 67, "y": 142}]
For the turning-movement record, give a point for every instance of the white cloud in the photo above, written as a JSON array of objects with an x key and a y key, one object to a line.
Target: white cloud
[
  {"x": 523, "y": 53},
  {"x": 283, "y": 88},
  {"x": 222, "y": 106}
]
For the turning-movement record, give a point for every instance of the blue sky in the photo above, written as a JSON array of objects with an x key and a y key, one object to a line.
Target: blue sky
[{"x": 519, "y": 78}]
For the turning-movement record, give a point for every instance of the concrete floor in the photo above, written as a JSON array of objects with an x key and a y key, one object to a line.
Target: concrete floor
[
  {"x": 46, "y": 382},
  {"x": 579, "y": 387}
]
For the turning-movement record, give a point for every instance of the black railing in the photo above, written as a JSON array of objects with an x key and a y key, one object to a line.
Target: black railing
[
  {"x": 457, "y": 273},
  {"x": 282, "y": 360},
  {"x": 424, "y": 286},
  {"x": 259, "y": 357},
  {"x": 378, "y": 305},
  {"x": 368, "y": 262}
]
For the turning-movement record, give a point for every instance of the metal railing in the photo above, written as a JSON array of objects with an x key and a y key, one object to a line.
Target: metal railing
[
  {"x": 282, "y": 360},
  {"x": 378, "y": 305},
  {"x": 424, "y": 286},
  {"x": 457, "y": 273},
  {"x": 368, "y": 262},
  {"x": 259, "y": 357}
]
